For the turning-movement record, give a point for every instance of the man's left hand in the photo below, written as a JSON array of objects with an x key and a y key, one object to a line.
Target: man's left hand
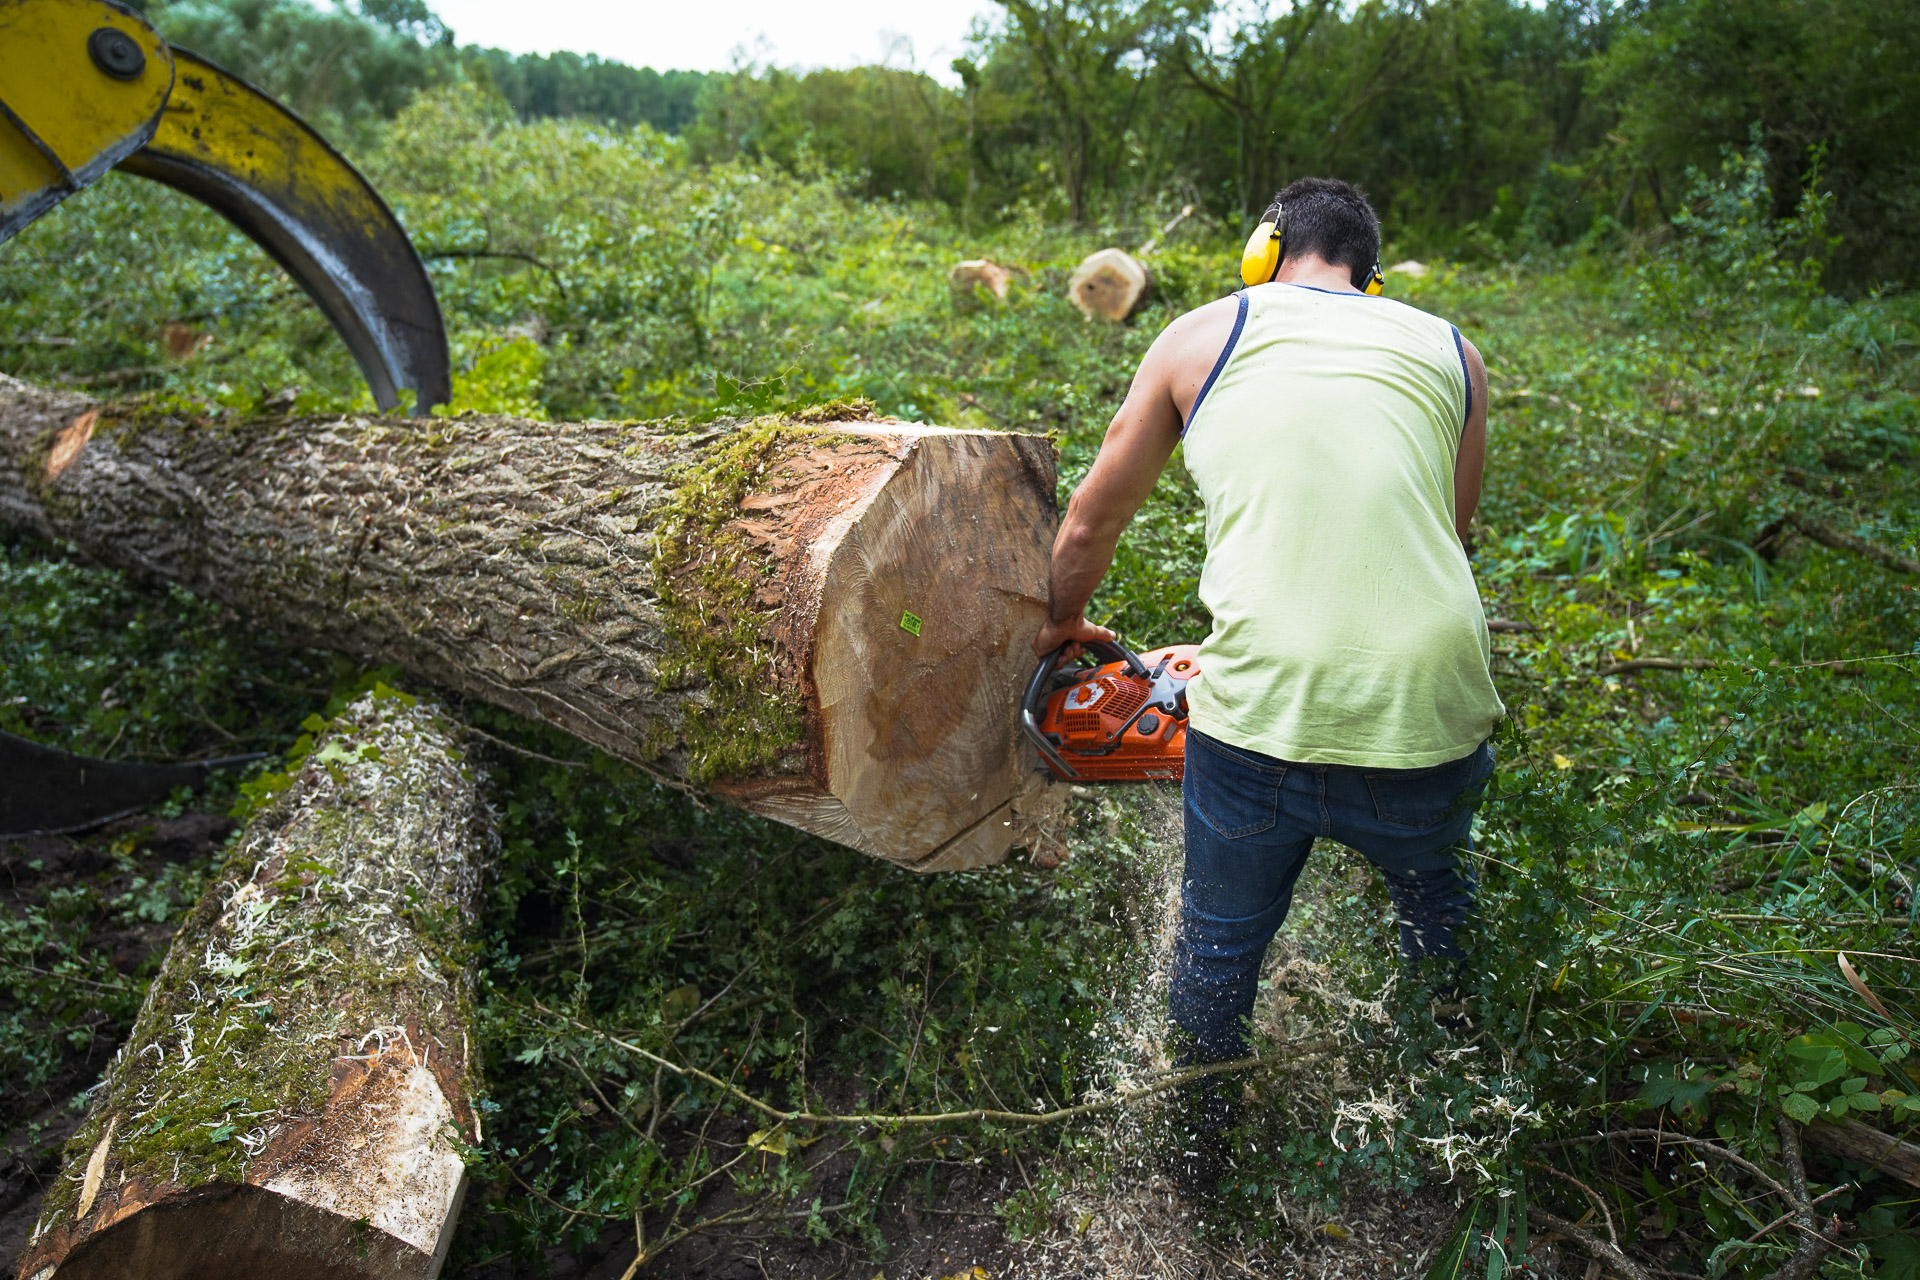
[{"x": 1076, "y": 631}]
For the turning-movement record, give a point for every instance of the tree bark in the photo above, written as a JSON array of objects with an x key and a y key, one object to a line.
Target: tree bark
[
  {"x": 824, "y": 621},
  {"x": 1863, "y": 1144},
  {"x": 289, "y": 1101}
]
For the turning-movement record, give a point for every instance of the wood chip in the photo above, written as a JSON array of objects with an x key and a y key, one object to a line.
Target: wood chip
[
  {"x": 96, "y": 1169},
  {"x": 72, "y": 440}
]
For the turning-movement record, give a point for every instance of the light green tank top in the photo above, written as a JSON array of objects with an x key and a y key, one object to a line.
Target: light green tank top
[{"x": 1346, "y": 625}]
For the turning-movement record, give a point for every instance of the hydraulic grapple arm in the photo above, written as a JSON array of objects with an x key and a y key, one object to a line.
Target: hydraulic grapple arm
[{"x": 88, "y": 85}]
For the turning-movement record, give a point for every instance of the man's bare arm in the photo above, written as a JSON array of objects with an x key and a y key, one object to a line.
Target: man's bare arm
[
  {"x": 1470, "y": 465},
  {"x": 1139, "y": 441}
]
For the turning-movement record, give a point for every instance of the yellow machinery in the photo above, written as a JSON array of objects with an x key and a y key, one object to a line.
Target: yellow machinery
[{"x": 87, "y": 86}]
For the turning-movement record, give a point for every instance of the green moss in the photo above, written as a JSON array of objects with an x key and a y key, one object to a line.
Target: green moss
[
  {"x": 707, "y": 574},
  {"x": 858, "y": 409}
]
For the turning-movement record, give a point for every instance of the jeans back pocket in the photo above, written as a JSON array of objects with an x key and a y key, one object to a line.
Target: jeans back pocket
[
  {"x": 1234, "y": 795},
  {"x": 1419, "y": 799}
]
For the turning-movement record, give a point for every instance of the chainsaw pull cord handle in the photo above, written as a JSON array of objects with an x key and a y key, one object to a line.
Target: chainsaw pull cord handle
[{"x": 1040, "y": 686}]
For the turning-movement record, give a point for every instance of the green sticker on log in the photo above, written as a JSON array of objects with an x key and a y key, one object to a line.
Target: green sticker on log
[{"x": 910, "y": 623}]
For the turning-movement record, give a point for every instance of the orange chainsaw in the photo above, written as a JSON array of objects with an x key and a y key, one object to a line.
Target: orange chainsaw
[{"x": 1122, "y": 719}]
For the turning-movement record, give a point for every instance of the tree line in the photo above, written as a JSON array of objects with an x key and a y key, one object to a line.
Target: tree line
[{"x": 1491, "y": 126}]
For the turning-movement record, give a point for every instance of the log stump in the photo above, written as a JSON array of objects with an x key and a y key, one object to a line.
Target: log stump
[
  {"x": 1108, "y": 285},
  {"x": 291, "y": 1097},
  {"x": 823, "y": 619},
  {"x": 975, "y": 281}
]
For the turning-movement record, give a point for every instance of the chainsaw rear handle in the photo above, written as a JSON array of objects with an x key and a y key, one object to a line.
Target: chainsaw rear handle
[{"x": 1041, "y": 685}]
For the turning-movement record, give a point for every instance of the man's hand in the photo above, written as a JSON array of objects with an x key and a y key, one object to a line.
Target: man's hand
[{"x": 1076, "y": 631}]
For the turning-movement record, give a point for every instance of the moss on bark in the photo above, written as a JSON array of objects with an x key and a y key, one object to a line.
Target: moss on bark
[
  {"x": 707, "y": 574},
  {"x": 339, "y": 923}
]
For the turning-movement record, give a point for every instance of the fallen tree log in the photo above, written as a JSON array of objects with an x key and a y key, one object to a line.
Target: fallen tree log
[
  {"x": 289, "y": 1099},
  {"x": 1828, "y": 536},
  {"x": 825, "y": 621},
  {"x": 976, "y": 281},
  {"x": 1863, "y": 1144}
]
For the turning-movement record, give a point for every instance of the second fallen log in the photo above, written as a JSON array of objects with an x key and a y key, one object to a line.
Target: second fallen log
[
  {"x": 291, "y": 1098},
  {"x": 823, "y": 620}
]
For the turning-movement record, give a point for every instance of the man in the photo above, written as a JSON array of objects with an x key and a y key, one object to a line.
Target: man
[{"x": 1337, "y": 441}]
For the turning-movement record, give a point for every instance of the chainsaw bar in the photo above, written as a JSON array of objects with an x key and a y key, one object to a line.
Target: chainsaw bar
[{"x": 44, "y": 791}]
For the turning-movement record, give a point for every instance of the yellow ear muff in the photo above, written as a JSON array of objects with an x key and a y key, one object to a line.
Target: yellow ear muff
[
  {"x": 1260, "y": 260},
  {"x": 1376, "y": 283}
]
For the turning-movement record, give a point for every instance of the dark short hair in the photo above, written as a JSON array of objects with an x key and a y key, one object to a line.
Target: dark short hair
[{"x": 1331, "y": 218}]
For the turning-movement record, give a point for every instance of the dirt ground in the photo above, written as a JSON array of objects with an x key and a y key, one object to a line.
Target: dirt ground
[{"x": 1136, "y": 1229}]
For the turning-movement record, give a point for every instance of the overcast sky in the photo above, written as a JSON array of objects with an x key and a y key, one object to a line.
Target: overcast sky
[{"x": 712, "y": 35}]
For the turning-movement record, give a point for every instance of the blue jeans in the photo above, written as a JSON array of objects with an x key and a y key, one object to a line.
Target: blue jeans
[{"x": 1250, "y": 820}]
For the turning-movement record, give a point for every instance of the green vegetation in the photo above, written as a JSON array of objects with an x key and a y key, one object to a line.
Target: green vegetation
[
  {"x": 1482, "y": 128},
  {"x": 1701, "y": 507}
]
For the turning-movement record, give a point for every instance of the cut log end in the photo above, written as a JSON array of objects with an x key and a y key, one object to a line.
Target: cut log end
[
  {"x": 823, "y": 618},
  {"x": 226, "y": 1231},
  {"x": 1109, "y": 285},
  {"x": 923, "y": 603},
  {"x": 974, "y": 281}
]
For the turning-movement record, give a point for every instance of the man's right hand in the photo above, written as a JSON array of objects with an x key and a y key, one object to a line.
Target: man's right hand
[{"x": 1076, "y": 631}]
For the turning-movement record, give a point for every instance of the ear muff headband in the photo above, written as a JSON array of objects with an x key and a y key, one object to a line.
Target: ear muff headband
[{"x": 1260, "y": 260}]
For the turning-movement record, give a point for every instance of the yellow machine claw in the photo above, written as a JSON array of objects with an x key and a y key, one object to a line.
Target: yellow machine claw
[{"x": 87, "y": 86}]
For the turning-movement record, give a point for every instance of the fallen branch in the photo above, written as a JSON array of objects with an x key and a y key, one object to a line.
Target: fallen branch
[
  {"x": 1790, "y": 1214},
  {"x": 1863, "y": 1144},
  {"x": 1605, "y": 1215},
  {"x": 1159, "y": 1082},
  {"x": 1655, "y": 664},
  {"x": 511, "y": 255},
  {"x": 1818, "y": 1243},
  {"x": 1661, "y": 1136},
  {"x": 645, "y": 1253},
  {"x": 1594, "y": 1245},
  {"x": 1153, "y": 241},
  {"x": 1828, "y": 536}
]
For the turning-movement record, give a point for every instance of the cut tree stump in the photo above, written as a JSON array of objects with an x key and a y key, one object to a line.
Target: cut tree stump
[
  {"x": 824, "y": 621},
  {"x": 1108, "y": 285},
  {"x": 975, "y": 280},
  {"x": 288, "y": 1101}
]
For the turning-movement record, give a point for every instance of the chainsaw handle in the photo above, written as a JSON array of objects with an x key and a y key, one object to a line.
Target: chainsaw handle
[
  {"x": 1106, "y": 651},
  {"x": 1041, "y": 685}
]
